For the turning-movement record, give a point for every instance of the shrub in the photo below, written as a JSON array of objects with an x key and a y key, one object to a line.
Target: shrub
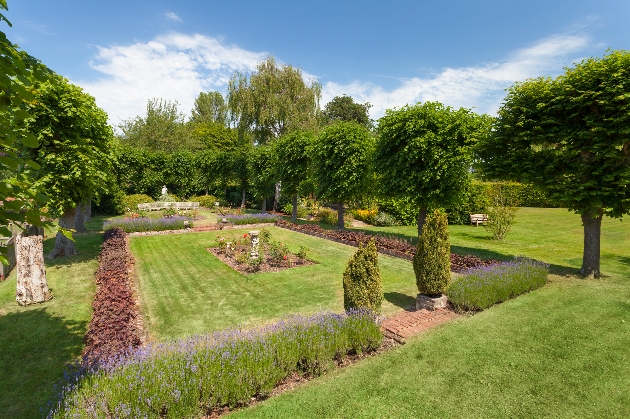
[
  {"x": 139, "y": 224},
  {"x": 240, "y": 219},
  {"x": 112, "y": 203},
  {"x": 432, "y": 261},
  {"x": 402, "y": 210},
  {"x": 326, "y": 216},
  {"x": 206, "y": 201},
  {"x": 302, "y": 211},
  {"x": 383, "y": 219},
  {"x": 501, "y": 213},
  {"x": 365, "y": 215},
  {"x": 131, "y": 201},
  {"x": 483, "y": 287},
  {"x": 362, "y": 280},
  {"x": 188, "y": 378}
]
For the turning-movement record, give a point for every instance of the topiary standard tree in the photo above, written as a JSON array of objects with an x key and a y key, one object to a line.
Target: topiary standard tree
[
  {"x": 342, "y": 163},
  {"x": 570, "y": 137},
  {"x": 73, "y": 153},
  {"x": 292, "y": 163},
  {"x": 424, "y": 153},
  {"x": 362, "y": 280},
  {"x": 432, "y": 261}
]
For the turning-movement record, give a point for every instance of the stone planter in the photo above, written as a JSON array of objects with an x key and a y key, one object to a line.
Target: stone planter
[{"x": 431, "y": 302}]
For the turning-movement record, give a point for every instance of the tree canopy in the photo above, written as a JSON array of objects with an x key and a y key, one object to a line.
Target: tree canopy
[
  {"x": 344, "y": 108},
  {"x": 342, "y": 162},
  {"x": 272, "y": 101},
  {"x": 570, "y": 136},
  {"x": 210, "y": 107},
  {"x": 424, "y": 154}
]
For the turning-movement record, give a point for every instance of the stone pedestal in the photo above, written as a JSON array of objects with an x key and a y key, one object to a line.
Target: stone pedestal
[
  {"x": 255, "y": 240},
  {"x": 430, "y": 302}
]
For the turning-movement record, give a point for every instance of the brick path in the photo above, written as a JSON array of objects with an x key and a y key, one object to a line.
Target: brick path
[{"x": 409, "y": 323}]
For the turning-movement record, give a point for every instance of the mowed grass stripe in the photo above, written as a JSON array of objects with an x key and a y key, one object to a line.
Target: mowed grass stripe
[{"x": 186, "y": 290}]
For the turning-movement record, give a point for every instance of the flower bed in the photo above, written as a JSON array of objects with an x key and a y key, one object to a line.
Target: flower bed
[
  {"x": 387, "y": 245},
  {"x": 261, "y": 218},
  {"x": 272, "y": 256},
  {"x": 483, "y": 287},
  {"x": 112, "y": 330},
  {"x": 141, "y": 224},
  {"x": 193, "y": 377}
]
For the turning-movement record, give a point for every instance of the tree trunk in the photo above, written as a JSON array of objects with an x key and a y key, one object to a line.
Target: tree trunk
[
  {"x": 340, "y": 224},
  {"x": 294, "y": 210},
  {"x": 264, "y": 205},
  {"x": 88, "y": 211},
  {"x": 592, "y": 238},
  {"x": 79, "y": 218},
  {"x": 276, "y": 198},
  {"x": 63, "y": 245},
  {"x": 422, "y": 219},
  {"x": 243, "y": 200},
  {"x": 31, "y": 273}
]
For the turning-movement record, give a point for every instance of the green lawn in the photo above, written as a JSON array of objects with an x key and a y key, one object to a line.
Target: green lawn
[
  {"x": 560, "y": 351},
  {"x": 186, "y": 290},
  {"x": 37, "y": 341}
]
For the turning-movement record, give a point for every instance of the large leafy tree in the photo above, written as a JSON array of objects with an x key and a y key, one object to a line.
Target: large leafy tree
[
  {"x": 571, "y": 137},
  {"x": 342, "y": 163},
  {"x": 73, "y": 154},
  {"x": 163, "y": 128},
  {"x": 344, "y": 108},
  {"x": 424, "y": 154},
  {"x": 19, "y": 72},
  {"x": 292, "y": 163},
  {"x": 210, "y": 107},
  {"x": 272, "y": 101},
  {"x": 261, "y": 172}
]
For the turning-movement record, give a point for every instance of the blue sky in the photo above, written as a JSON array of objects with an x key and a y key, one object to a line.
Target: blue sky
[{"x": 462, "y": 53}]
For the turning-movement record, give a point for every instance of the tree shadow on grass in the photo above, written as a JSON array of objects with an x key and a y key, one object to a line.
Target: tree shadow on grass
[
  {"x": 35, "y": 348},
  {"x": 88, "y": 246},
  {"x": 401, "y": 300}
]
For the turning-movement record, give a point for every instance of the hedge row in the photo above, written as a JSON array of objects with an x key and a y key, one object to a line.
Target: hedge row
[{"x": 112, "y": 330}]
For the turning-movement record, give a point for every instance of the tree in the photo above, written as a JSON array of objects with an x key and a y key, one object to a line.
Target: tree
[
  {"x": 19, "y": 72},
  {"x": 292, "y": 163},
  {"x": 272, "y": 101},
  {"x": 342, "y": 163},
  {"x": 261, "y": 172},
  {"x": 210, "y": 107},
  {"x": 569, "y": 136},
  {"x": 73, "y": 153},
  {"x": 215, "y": 136},
  {"x": 162, "y": 129},
  {"x": 343, "y": 108},
  {"x": 424, "y": 154}
]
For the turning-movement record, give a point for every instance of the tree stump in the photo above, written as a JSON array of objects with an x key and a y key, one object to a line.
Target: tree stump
[{"x": 32, "y": 286}]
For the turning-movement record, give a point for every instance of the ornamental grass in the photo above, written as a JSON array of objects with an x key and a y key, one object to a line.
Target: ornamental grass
[
  {"x": 480, "y": 288},
  {"x": 189, "y": 378}
]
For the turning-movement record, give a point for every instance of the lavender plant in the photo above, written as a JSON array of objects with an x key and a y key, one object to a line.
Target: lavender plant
[
  {"x": 187, "y": 378},
  {"x": 483, "y": 287},
  {"x": 241, "y": 219},
  {"x": 140, "y": 224}
]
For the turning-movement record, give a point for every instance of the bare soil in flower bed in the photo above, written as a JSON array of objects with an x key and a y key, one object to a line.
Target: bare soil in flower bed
[
  {"x": 297, "y": 379},
  {"x": 267, "y": 265},
  {"x": 393, "y": 247}
]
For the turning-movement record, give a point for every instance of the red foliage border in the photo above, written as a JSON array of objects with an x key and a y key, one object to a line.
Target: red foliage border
[{"x": 112, "y": 330}]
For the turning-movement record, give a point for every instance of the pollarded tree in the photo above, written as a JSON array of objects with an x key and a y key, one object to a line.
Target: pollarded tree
[
  {"x": 424, "y": 153},
  {"x": 73, "y": 153},
  {"x": 570, "y": 136},
  {"x": 342, "y": 163},
  {"x": 292, "y": 163},
  {"x": 273, "y": 101},
  {"x": 261, "y": 172}
]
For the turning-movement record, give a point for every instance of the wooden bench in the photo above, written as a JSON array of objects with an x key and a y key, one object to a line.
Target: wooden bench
[
  {"x": 155, "y": 206},
  {"x": 476, "y": 219}
]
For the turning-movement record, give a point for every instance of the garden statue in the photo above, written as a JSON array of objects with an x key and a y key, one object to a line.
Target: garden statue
[
  {"x": 164, "y": 190},
  {"x": 255, "y": 240}
]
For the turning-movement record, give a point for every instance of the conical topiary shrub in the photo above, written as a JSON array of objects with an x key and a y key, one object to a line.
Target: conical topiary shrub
[
  {"x": 432, "y": 262},
  {"x": 362, "y": 280}
]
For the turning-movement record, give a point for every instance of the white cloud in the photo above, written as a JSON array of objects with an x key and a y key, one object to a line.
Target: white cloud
[
  {"x": 172, "y": 67},
  {"x": 172, "y": 16},
  {"x": 481, "y": 87},
  {"x": 178, "y": 67}
]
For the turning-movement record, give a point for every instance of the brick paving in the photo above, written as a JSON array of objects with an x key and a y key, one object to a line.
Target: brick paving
[{"x": 409, "y": 323}]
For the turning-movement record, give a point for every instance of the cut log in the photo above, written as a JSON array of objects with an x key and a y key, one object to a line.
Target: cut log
[{"x": 32, "y": 286}]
